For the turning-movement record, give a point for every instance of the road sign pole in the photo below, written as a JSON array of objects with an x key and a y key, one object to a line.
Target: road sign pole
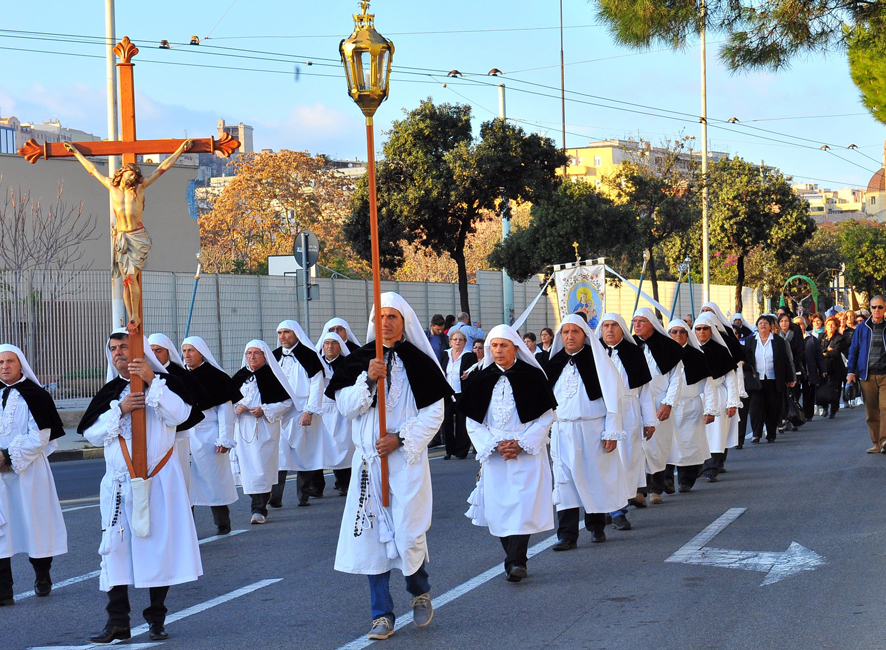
[{"x": 304, "y": 265}]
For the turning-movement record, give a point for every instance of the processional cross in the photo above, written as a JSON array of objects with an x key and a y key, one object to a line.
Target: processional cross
[{"x": 131, "y": 240}]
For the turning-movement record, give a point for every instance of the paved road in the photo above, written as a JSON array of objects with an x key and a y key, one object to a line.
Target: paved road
[{"x": 274, "y": 586}]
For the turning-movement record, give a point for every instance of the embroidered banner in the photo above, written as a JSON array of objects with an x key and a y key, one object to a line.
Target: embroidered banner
[{"x": 582, "y": 289}]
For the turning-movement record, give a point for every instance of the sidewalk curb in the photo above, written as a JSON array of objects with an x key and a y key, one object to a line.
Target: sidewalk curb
[{"x": 63, "y": 455}]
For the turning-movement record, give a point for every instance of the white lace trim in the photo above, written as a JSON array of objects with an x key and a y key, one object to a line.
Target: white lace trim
[
  {"x": 365, "y": 394},
  {"x": 15, "y": 454},
  {"x": 9, "y": 413},
  {"x": 651, "y": 423},
  {"x": 572, "y": 380},
  {"x": 398, "y": 376},
  {"x": 484, "y": 453},
  {"x": 530, "y": 449},
  {"x": 411, "y": 451},
  {"x": 227, "y": 444},
  {"x": 613, "y": 435},
  {"x": 502, "y": 405}
]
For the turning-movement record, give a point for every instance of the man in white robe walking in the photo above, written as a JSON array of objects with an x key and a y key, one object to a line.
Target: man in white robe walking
[
  {"x": 30, "y": 515},
  {"x": 374, "y": 539},
  {"x": 149, "y": 547},
  {"x": 509, "y": 410},
  {"x": 335, "y": 433}
]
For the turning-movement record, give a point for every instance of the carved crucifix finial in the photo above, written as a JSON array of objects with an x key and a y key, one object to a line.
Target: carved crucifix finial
[{"x": 125, "y": 49}]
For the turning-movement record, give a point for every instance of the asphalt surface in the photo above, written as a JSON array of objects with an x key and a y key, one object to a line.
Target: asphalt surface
[{"x": 815, "y": 487}]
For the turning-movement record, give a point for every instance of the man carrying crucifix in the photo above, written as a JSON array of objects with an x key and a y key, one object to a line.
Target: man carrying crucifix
[{"x": 132, "y": 243}]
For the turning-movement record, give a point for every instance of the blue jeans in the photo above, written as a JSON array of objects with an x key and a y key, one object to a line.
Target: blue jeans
[{"x": 380, "y": 591}]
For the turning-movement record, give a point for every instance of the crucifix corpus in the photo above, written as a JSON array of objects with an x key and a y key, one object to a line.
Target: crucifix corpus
[{"x": 127, "y": 187}]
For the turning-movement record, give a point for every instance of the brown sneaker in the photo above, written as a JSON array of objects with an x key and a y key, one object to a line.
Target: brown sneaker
[
  {"x": 655, "y": 499},
  {"x": 638, "y": 501},
  {"x": 874, "y": 450}
]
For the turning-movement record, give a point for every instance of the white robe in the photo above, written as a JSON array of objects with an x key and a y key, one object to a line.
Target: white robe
[
  {"x": 335, "y": 439},
  {"x": 637, "y": 411},
  {"x": 665, "y": 390},
  {"x": 394, "y": 537},
  {"x": 169, "y": 555},
  {"x": 256, "y": 457},
  {"x": 512, "y": 497},
  {"x": 299, "y": 448},
  {"x": 212, "y": 481},
  {"x": 723, "y": 432},
  {"x": 585, "y": 475},
  {"x": 30, "y": 515},
  {"x": 690, "y": 440}
]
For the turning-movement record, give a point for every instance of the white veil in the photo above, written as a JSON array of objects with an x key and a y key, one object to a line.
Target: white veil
[
  {"x": 201, "y": 347},
  {"x": 412, "y": 329},
  {"x": 26, "y": 367},
  {"x": 272, "y": 362},
  {"x": 165, "y": 342}
]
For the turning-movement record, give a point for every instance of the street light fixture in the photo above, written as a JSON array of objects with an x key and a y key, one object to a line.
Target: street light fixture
[{"x": 366, "y": 56}]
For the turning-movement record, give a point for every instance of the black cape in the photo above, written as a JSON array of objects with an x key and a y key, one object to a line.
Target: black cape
[
  {"x": 634, "y": 362},
  {"x": 41, "y": 406},
  {"x": 695, "y": 365},
  {"x": 111, "y": 391},
  {"x": 532, "y": 394},
  {"x": 583, "y": 360},
  {"x": 736, "y": 349},
  {"x": 269, "y": 387},
  {"x": 306, "y": 356},
  {"x": 720, "y": 361},
  {"x": 426, "y": 381},
  {"x": 665, "y": 350},
  {"x": 216, "y": 386}
]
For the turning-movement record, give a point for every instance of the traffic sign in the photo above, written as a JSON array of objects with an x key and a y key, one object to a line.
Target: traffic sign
[{"x": 306, "y": 239}]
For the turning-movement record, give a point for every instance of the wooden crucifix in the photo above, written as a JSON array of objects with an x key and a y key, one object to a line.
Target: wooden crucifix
[{"x": 127, "y": 187}]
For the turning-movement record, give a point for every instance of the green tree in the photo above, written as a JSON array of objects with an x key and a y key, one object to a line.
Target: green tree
[
  {"x": 437, "y": 181},
  {"x": 863, "y": 249},
  {"x": 576, "y": 212},
  {"x": 759, "y": 34}
]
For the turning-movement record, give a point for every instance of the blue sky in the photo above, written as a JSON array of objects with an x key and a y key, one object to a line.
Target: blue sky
[{"x": 815, "y": 99}]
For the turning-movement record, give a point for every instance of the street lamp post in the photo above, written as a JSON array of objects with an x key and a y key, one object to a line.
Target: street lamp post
[{"x": 366, "y": 56}]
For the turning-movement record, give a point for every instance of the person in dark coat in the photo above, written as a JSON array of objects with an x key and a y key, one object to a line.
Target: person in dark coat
[
  {"x": 814, "y": 365},
  {"x": 766, "y": 354},
  {"x": 833, "y": 345}
]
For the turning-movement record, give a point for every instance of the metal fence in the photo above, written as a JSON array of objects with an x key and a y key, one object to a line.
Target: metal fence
[{"x": 61, "y": 319}]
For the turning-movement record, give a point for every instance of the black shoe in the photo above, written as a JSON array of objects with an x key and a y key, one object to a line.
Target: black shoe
[
  {"x": 157, "y": 632},
  {"x": 303, "y": 502},
  {"x": 637, "y": 504},
  {"x": 275, "y": 504},
  {"x": 739, "y": 446},
  {"x": 316, "y": 493},
  {"x": 607, "y": 519},
  {"x": 43, "y": 587},
  {"x": 770, "y": 439},
  {"x": 565, "y": 545},
  {"x": 447, "y": 456},
  {"x": 755, "y": 441},
  {"x": 669, "y": 487},
  {"x": 6, "y": 602},
  {"x": 711, "y": 478},
  {"x": 832, "y": 416},
  {"x": 517, "y": 573},
  {"x": 685, "y": 488},
  {"x": 342, "y": 491},
  {"x": 598, "y": 536},
  {"x": 111, "y": 633},
  {"x": 621, "y": 523},
  {"x": 223, "y": 530},
  {"x": 723, "y": 470}
]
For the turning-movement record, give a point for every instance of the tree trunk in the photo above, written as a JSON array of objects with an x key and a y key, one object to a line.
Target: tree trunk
[
  {"x": 459, "y": 258},
  {"x": 653, "y": 280},
  {"x": 739, "y": 283}
]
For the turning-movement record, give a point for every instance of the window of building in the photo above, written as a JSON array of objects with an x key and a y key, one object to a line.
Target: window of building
[
  {"x": 597, "y": 161},
  {"x": 7, "y": 140},
  {"x": 873, "y": 200},
  {"x": 597, "y": 183}
]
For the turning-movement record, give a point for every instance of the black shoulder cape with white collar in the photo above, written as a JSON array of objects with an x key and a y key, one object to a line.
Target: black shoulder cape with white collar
[
  {"x": 695, "y": 365},
  {"x": 426, "y": 381},
  {"x": 269, "y": 387},
  {"x": 584, "y": 362},
  {"x": 306, "y": 356},
  {"x": 41, "y": 406},
  {"x": 634, "y": 362},
  {"x": 112, "y": 390},
  {"x": 720, "y": 361},
  {"x": 665, "y": 350},
  {"x": 532, "y": 394},
  {"x": 217, "y": 387}
]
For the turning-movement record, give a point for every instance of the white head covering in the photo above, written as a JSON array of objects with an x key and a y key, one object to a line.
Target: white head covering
[
  {"x": 737, "y": 316},
  {"x": 710, "y": 319},
  {"x": 723, "y": 322},
  {"x": 649, "y": 315},
  {"x": 201, "y": 347},
  {"x": 610, "y": 380},
  {"x": 621, "y": 323},
  {"x": 412, "y": 329},
  {"x": 509, "y": 333},
  {"x": 152, "y": 360},
  {"x": 331, "y": 336},
  {"x": 272, "y": 362},
  {"x": 299, "y": 332},
  {"x": 26, "y": 367},
  {"x": 165, "y": 342},
  {"x": 337, "y": 322},
  {"x": 679, "y": 322}
]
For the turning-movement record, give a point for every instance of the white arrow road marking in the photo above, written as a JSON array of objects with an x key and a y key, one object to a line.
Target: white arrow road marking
[
  {"x": 95, "y": 574},
  {"x": 776, "y": 566},
  {"x": 190, "y": 611}
]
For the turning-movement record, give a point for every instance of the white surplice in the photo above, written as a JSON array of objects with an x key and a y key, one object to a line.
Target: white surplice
[
  {"x": 512, "y": 497},
  {"x": 336, "y": 441},
  {"x": 169, "y": 555},
  {"x": 374, "y": 539},
  {"x": 585, "y": 475},
  {"x": 256, "y": 457},
  {"x": 637, "y": 412},
  {"x": 299, "y": 448},
  {"x": 212, "y": 481},
  {"x": 665, "y": 389},
  {"x": 30, "y": 515},
  {"x": 723, "y": 432},
  {"x": 690, "y": 445}
]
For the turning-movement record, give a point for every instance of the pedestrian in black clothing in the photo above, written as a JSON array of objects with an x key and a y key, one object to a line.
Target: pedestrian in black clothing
[{"x": 833, "y": 345}]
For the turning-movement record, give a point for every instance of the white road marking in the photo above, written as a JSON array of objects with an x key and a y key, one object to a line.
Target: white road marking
[
  {"x": 455, "y": 592},
  {"x": 74, "y": 508},
  {"x": 95, "y": 574},
  {"x": 129, "y": 646},
  {"x": 190, "y": 611},
  {"x": 775, "y": 565}
]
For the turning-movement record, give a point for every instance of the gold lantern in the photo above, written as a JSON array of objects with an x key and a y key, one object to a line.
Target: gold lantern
[{"x": 366, "y": 56}]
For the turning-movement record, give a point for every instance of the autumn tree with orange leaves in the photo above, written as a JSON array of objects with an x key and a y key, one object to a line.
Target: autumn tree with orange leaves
[{"x": 270, "y": 199}]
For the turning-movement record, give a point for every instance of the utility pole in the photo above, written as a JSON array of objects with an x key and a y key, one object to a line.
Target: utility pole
[
  {"x": 705, "y": 224},
  {"x": 506, "y": 281},
  {"x": 118, "y": 308},
  {"x": 562, "y": 89}
]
